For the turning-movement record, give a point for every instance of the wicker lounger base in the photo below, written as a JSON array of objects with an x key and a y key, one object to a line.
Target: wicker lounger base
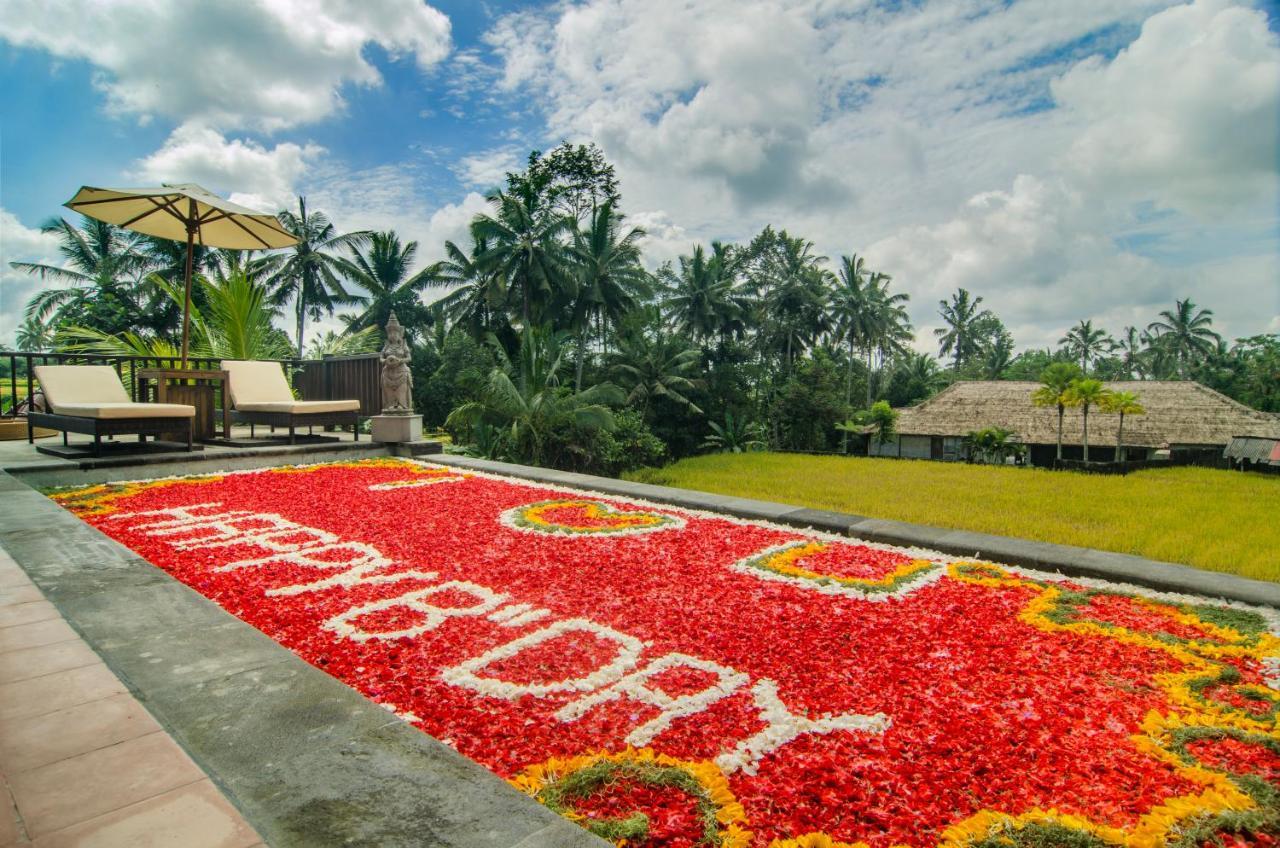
[
  {"x": 99, "y": 427},
  {"x": 292, "y": 421}
]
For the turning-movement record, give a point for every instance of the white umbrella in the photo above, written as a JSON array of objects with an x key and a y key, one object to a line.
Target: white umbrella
[{"x": 183, "y": 212}]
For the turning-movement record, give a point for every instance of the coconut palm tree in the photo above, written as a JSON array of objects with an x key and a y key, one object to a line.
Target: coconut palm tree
[
  {"x": 311, "y": 272},
  {"x": 34, "y": 336},
  {"x": 523, "y": 247},
  {"x": 957, "y": 337},
  {"x": 793, "y": 292},
  {"x": 384, "y": 270},
  {"x": 1055, "y": 384},
  {"x": 347, "y": 343},
  {"x": 701, "y": 299},
  {"x": 234, "y": 323},
  {"x": 1086, "y": 342},
  {"x": 103, "y": 267},
  {"x": 1130, "y": 345},
  {"x": 1086, "y": 393},
  {"x": 611, "y": 280},
  {"x": 528, "y": 409},
  {"x": 662, "y": 367},
  {"x": 1122, "y": 404},
  {"x": 1185, "y": 334},
  {"x": 920, "y": 374},
  {"x": 479, "y": 295}
]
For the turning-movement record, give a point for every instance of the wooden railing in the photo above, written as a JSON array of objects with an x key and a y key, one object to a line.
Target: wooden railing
[{"x": 331, "y": 378}]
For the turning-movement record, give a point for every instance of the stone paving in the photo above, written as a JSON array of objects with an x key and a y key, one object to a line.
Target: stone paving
[{"x": 82, "y": 762}]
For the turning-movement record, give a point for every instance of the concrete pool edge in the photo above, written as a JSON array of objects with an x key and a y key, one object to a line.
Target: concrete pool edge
[
  {"x": 1043, "y": 556},
  {"x": 307, "y": 760}
]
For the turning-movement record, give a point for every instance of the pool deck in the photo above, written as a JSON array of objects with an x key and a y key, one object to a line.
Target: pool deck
[{"x": 278, "y": 750}]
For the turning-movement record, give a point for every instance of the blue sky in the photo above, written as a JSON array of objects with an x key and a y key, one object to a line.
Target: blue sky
[{"x": 1066, "y": 161}]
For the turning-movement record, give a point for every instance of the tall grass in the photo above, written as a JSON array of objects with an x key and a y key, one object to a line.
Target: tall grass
[{"x": 1211, "y": 519}]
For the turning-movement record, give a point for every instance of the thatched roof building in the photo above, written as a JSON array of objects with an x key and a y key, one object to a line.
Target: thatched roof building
[{"x": 1178, "y": 414}]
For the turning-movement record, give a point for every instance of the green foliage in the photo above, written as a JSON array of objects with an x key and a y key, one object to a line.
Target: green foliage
[
  {"x": 450, "y": 376},
  {"x": 540, "y": 420},
  {"x": 626, "y": 447},
  {"x": 735, "y": 435},
  {"x": 880, "y": 422},
  {"x": 992, "y": 445},
  {"x": 807, "y": 406}
]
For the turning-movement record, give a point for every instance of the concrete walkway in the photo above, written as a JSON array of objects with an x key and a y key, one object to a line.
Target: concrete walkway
[{"x": 82, "y": 762}]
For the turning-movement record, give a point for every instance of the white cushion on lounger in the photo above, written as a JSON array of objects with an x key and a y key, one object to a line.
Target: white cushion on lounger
[
  {"x": 256, "y": 382},
  {"x": 95, "y": 391},
  {"x": 127, "y": 410},
  {"x": 301, "y": 407}
]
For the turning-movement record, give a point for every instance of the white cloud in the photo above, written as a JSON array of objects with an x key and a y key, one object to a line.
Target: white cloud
[
  {"x": 978, "y": 144},
  {"x": 264, "y": 64},
  {"x": 488, "y": 169},
  {"x": 19, "y": 243},
  {"x": 1188, "y": 115},
  {"x": 256, "y": 176}
]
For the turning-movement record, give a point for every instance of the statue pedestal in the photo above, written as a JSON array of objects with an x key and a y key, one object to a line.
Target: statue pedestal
[{"x": 397, "y": 428}]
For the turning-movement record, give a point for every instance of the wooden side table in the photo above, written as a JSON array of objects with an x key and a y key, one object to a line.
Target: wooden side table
[{"x": 193, "y": 387}]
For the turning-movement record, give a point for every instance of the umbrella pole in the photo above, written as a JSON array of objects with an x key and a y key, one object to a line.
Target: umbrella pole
[{"x": 186, "y": 303}]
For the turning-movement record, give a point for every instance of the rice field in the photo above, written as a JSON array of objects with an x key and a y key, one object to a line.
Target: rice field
[{"x": 1207, "y": 518}]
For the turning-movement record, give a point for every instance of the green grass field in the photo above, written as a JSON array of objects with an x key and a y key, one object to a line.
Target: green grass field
[{"x": 1217, "y": 520}]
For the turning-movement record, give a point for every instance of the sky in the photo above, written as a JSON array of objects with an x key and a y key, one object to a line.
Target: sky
[{"x": 1092, "y": 159}]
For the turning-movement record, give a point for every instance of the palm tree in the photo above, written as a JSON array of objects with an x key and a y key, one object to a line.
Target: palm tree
[
  {"x": 1185, "y": 334},
  {"x": 524, "y": 249},
  {"x": 235, "y": 323},
  {"x": 957, "y": 337},
  {"x": 661, "y": 367},
  {"x": 103, "y": 265},
  {"x": 1131, "y": 354},
  {"x": 1086, "y": 393},
  {"x": 701, "y": 299},
  {"x": 529, "y": 413},
  {"x": 867, "y": 316},
  {"x": 736, "y": 435},
  {"x": 997, "y": 356},
  {"x": 347, "y": 343},
  {"x": 1085, "y": 343},
  {"x": 34, "y": 336},
  {"x": 311, "y": 271},
  {"x": 920, "y": 373},
  {"x": 384, "y": 271},
  {"x": 793, "y": 295},
  {"x": 611, "y": 280},
  {"x": 1056, "y": 382},
  {"x": 479, "y": 295},
  {"x": 1122, "y": 404}
]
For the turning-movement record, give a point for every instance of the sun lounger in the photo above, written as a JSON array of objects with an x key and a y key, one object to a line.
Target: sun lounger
[
  {"x": 90, "y": 399},
  {"x": 260, "y": 394}
]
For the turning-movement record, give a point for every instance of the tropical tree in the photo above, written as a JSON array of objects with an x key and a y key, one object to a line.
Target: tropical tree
[
  {"x": 1184, "y": 334},
  {"x": 1055, "y": 385},
  {"x": 532, "y": 409},
  {"x": 523, "y": 247},
  {"x": 992, "y": 445},
  {"x": 102, "y": 271},
  {"x": 611, "y": 280},
  {"x": 479, "y": 296},
  {"x": 664, "y": 367},
  {"x": 867, "y": 317},
  {"x": 1086, "y": 342},
  {"x": 35, "y": 336},
  {"x": 736, "y": 435},
  {"x": 700, "y": 299},
  {"x": 234, "y": 323},
  {"x": 1086, "y": 393},
  {"x": 1131, "y": 345},
  {"x": 958, "y": 338},
  {"x": 785, "y": 274},
  {"x": 385, "y": 271},
  {"x": 880, "y": 420},
  {"x": 1122, "y": 403},
  {"x": 311, "y": 272},
  {"x": 347, "y": 343}
]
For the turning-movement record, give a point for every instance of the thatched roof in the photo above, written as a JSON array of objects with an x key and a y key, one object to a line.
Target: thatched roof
[{"x": 1178, "y": 413}]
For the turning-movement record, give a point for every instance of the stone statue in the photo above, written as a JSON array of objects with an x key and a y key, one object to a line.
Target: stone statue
[{"x": 397, "y": 382}]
